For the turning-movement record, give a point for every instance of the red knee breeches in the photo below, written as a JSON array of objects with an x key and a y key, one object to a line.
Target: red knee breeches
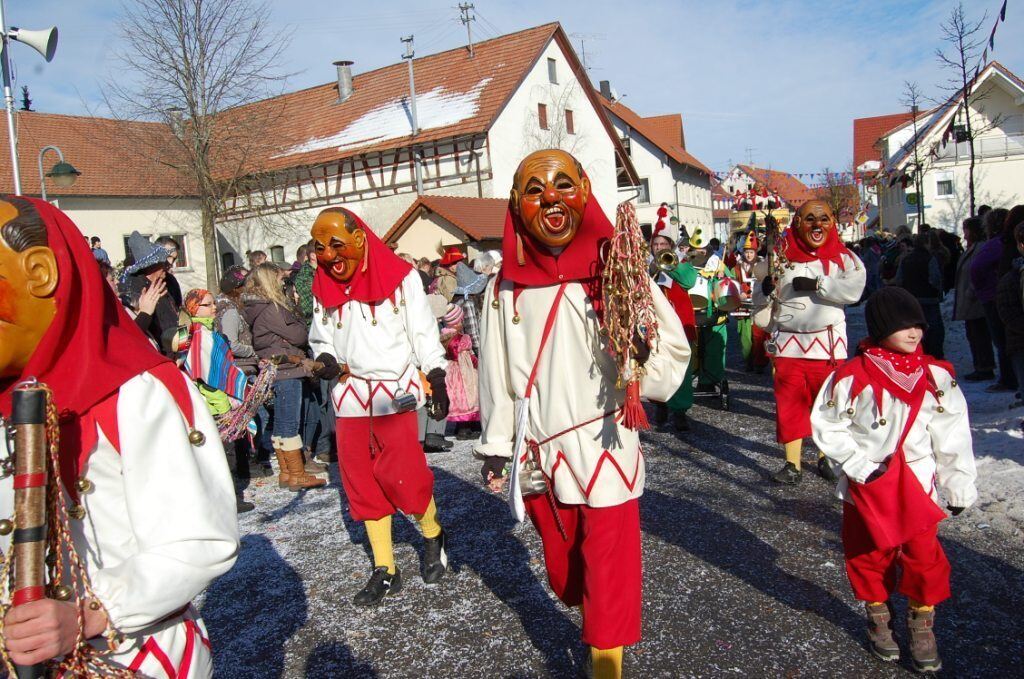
[
  {"x": 394, "y": 475},
  {"x": 598, "y": 566},
  {"x": 873, "y": 572},
  {"x": 797, "y": 383}
]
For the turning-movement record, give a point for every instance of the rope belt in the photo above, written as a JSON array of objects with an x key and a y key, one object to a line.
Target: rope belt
[{"x": 533, "y": 451}]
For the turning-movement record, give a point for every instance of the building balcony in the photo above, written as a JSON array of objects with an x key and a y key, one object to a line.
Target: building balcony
[{"x": 985, "y": 148}]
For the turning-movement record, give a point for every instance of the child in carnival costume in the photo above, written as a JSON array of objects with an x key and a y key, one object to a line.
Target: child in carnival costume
[
  {"x": 461, "y": 376},
  {"x": 699, "y": 275},
  {"x": 895, "y": 422},
  {"x": 205, "y": 356},
  {"x": 548, "y": 380}
]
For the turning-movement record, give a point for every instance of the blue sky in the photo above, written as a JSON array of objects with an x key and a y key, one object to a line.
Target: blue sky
[{"x": 783, "y": 79}]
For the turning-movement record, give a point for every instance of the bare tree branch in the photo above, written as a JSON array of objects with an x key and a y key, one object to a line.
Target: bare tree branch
[{"x": 196, "y": 67}]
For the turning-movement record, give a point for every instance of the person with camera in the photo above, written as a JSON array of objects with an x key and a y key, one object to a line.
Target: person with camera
[{"x": 373, "y": 330}]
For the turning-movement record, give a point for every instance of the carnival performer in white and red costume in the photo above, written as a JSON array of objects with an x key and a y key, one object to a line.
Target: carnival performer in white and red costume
[
  {"x": 150, "y": 502},
  {"x": 373, "y": 329},
  {"x": 808, "y": 324},
  {"x": 542, "y": 341}
]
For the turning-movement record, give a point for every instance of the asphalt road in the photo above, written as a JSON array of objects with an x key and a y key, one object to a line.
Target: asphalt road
[{"x": 742, "y": 577}]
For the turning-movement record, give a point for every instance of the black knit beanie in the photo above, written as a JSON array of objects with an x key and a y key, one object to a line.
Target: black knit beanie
[{"x": 890, "y": 310}]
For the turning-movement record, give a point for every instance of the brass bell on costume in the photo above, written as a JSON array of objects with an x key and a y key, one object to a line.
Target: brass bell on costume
[
  {"x": 515, "y": 319},
  {"x": 882, "y": 421},
  {"x": 849, "y": 411},
  {"x": 77, "y": 512},
  {"x": 6, "y": 527},
  {"x": 940, "y": 409},
  {"x": 831, "y": 403},
  {"x": 196, "y": 437},
  {"x": 61, "y": 592},
  {"x": 83, "y": 485}
]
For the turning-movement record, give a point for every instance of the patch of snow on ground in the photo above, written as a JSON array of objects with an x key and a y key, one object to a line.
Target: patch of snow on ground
[
  {"x": 437, "y": 108},
  {"x": 998, "y": 439}
]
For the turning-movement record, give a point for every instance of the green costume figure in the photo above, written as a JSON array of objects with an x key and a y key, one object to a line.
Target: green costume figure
[
  {"x": 749, "y": 271},
  {"x": 707, "y": 363}
]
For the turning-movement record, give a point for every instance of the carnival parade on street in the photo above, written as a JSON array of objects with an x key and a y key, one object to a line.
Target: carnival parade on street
[{"x": 416, "y": 340}]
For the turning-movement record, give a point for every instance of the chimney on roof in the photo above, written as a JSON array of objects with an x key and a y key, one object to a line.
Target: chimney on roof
[
  {"x": 606, "y": 89},
  {"x": 344, "y": 80}
]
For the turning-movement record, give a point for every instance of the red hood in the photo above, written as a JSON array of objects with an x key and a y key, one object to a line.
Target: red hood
[
  {"x": 384, "y": 273},
  {"x": 580, "y": 260}
]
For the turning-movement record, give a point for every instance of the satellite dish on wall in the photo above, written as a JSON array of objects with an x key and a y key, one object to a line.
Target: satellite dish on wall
[{"x": 44, "y": 41}]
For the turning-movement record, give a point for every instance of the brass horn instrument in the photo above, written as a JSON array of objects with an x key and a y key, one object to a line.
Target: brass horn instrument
[{"x": 664, "y": 261}]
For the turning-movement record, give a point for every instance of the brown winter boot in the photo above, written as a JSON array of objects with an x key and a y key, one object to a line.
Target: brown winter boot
[
  {"x": 299, "y": 479},
  {"x": 284, "y": 478},
  {"x": 923, "y": 648},
  {"x": 310, "y": 465},
  {"x": 880, "y": 639}
]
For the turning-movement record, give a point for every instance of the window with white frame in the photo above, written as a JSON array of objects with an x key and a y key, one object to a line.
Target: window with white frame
[
  {"x": 944, "y": 185},
  {"x": 277, "y": 254},
  {"x": 645, "y": 192}
]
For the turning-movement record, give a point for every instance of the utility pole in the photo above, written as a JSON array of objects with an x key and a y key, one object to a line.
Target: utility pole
[
  {"x": 467, "y": 19},
  {"x": 410, "y": 52}
]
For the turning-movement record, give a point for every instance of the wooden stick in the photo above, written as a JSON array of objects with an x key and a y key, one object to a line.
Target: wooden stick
[{"x": 28, "y": 415}]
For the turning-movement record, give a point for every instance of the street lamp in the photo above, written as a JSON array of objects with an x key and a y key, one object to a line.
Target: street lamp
[
  {"x": 63, "y": 173},
  {"x": 44, "y": 42}
]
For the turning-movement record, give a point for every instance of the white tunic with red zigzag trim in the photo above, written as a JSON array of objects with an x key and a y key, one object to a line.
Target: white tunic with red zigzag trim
[
  {"x": 813, "y": 324},
  {"x": 160, "y": 525},
  {"x": 599, "y": 464},
  {"x": 385, "y": 347}
]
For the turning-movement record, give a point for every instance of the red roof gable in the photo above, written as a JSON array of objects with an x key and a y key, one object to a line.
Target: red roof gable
[
  {"x": 478, "y": 218},
  {"x": 789, "y": 188},
  {"x": 867, "y": 131},
  {"x": 661, "y": 133}
]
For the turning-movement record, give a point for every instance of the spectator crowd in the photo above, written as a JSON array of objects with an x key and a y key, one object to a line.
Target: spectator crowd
[{"x": 261, "y": 315}]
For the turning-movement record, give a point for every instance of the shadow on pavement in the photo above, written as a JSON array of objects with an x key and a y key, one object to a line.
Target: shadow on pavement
[
  {"x": 271, "y": 618},
  {"x": 482, "y": 540},
  {"x": 727, "y": 545},
  {"x": 332, "y": 660}
]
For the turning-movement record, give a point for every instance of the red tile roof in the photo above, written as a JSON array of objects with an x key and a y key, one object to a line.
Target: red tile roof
[
  {"x": 867, "y": 131},
  {"x": 669, "y": 129},
  {"x": 116, "y": 158},
  {"x": 455, "y": 95},
  {"x": 478, "y": 218},
  {"x": 660, "y": 132},
  {"x": 789, "y": 188}
]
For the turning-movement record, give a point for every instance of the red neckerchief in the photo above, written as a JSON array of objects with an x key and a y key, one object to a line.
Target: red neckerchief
[
  {"x": 384, "y": 273},
  {"x": 832, "y": 250},
  {"x": 579, "y": 261},
  {"x": 905, "y": 377},
  {"x": 90, "y": 350}
]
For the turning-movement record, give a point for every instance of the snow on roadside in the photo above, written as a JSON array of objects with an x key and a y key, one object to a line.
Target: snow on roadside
[{"x": 998, "y": 441}]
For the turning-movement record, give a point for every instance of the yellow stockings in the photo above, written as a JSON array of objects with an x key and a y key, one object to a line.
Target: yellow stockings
[
  {"x": 379, "y": 533},
  {"x": 793, "y": 450},
  {"x": 606, "y": 662}
]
